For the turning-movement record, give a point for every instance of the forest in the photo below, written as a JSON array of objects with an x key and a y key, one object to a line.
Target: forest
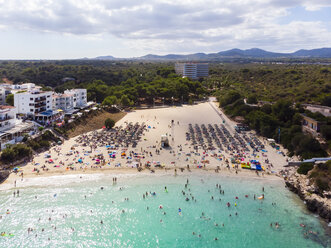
[{"x": 299, "y": 83}]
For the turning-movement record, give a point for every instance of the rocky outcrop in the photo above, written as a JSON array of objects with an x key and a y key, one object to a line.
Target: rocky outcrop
[
  {"x": 301, "y": 185},
  {"x": 4, "y": 174}
]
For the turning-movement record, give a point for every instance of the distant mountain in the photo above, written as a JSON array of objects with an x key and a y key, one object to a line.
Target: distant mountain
[
  {"x": 109, "y": 57},
  {"x": 253, "y": 53},
  {"x": 316, "y": 53}
]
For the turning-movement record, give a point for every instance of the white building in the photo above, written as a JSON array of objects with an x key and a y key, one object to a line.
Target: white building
[
  {"x": 6, "y": 89},
  {"x": 79, "y": 97},
  {"x": 7, "y": 117},
  {"x": 192, "y": 70},
  {"x": 11, "y": 129},
  {"x": 26, "y": 86},
  {"x": 33, "y": 102},
  {"x": 63, "y": 101}
]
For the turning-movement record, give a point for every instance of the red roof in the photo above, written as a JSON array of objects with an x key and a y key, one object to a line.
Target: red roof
[{"x": 6, "y": 107}]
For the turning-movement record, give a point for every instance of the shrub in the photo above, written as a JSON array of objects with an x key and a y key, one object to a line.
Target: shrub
[
  {"x": 305, "y": 167},
  {"x": 322, "y": 184},
  {"x": 44, "y": 143},
  {"x": 15, "y": 152},
  {"x": 109, "y": 123}
]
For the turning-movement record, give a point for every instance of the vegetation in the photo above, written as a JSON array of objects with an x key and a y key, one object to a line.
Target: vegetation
[
  {"x": 21, "y": 151},
  {"x": 91, "y": 121},
  {"x": 299, "y": 83},
  {"x": 10, "y": 99},
  {"x": 15, "y": 152},
  {"x": 304, "y": 168},
  {"x": 279, "y": 121},
  {"x": 132, "y": 83},
  {"x": 321, "y": 176},
  {"x": 109, "y": 123}
]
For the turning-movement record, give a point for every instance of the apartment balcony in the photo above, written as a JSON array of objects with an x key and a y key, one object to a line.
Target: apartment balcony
[
  {"x": 37, "y": 111},
  {"x": 40, "y": 99},
  {"x": 40, "y": 104}
]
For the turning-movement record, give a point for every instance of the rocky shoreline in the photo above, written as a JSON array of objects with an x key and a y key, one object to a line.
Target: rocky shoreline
[{"x": 301, "y": 185}]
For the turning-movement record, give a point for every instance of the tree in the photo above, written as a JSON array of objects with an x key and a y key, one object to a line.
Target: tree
[
  {"x": 109, "y": 123},
  {"x": 252, "y": 99},
  {"x": 110, "y": 100},
  {"x": 305, "y": 168},
  {"x": 326, "y": 131},
  {"x": 283, "y": 110},
  {"x": 10, "y": 99},
  {"x": 125, "y": 101},
  {"x": 327, "y": 101}
]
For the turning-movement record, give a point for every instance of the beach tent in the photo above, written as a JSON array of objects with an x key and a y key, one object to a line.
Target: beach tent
[
  {"x": 258, "y": 167},
  {"x": 80, "y": 160}
]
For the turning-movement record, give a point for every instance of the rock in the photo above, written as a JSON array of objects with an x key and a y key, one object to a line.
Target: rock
[
  {"x": 314, "y": 202},
  {"x": 4, "y": 174}
]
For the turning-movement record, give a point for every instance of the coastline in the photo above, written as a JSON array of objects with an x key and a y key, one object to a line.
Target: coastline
[
  {"x": 299, "y": 185},
  {"x": 65, "y": 167},
  {"x": 31, "y": 179}
]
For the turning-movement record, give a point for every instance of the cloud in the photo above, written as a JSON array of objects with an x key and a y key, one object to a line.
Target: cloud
[{"x": 171, "y": 25}]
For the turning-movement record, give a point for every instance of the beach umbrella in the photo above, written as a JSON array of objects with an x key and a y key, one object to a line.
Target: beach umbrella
[
  {"x": 50, "y": 160},
  {"x": 80, "y": 160}
]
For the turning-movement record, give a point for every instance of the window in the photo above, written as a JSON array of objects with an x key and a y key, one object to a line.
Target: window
[
  {"x": 31, "y": 99},
  {"x": 47, "y": 101},
  {"x": 31, "y": 110},
  {"x": 48, "y": 96}
]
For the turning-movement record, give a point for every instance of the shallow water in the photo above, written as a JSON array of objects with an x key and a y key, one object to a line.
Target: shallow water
[{"x": 141, "y": 227}]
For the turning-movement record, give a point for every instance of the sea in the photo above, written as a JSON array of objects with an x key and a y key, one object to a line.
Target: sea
[{"x": 193, "y": 210}]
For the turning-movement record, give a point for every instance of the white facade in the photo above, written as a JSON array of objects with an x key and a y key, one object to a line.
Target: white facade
[
  {"x": 63, "y": 101},
  {"x": 192, "y": 70},
  {"x": 79, "y": 97},
  {"x": 7, "y": 117},
  {"x": 11, "y": 129},
  {"x": 5, "y": 90},
  {"x": 33, "y": 102}
]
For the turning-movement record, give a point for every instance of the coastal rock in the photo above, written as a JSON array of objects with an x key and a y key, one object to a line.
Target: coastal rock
[
  {"x": 314, "y": 202},
  {"x": 4, "y": 175}
]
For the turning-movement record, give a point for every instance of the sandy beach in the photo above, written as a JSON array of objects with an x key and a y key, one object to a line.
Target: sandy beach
[{"x": 78, "y": 156}]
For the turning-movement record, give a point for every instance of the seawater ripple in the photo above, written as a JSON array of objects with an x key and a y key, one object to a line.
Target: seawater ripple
[{"x": 70, "y": 214}]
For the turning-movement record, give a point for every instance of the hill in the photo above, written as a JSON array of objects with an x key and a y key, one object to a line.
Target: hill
[{"x": 253, "y": 53}]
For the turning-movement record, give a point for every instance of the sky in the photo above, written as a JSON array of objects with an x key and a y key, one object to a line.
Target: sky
[{"x": 71, "y": 29}]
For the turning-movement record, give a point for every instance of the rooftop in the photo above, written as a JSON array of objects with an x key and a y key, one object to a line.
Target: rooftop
[{"x": 3, "y": 107}]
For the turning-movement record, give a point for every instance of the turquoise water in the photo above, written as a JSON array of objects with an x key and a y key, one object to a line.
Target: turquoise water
[{"x": 142, "y": 227}]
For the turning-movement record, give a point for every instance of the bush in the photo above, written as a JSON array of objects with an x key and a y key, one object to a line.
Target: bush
[
  {"x": 326, "y": 131},
  {"x": 326, "y": 167},
  {"x": 44, "y": 143},
  {"x": 15, "y": 152},
  {"x": 322, "y": 184},
  {"x": 305, "y": 168},
  {"x": 252, "y": 99},
  {"x": 109, "y": 123}
]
